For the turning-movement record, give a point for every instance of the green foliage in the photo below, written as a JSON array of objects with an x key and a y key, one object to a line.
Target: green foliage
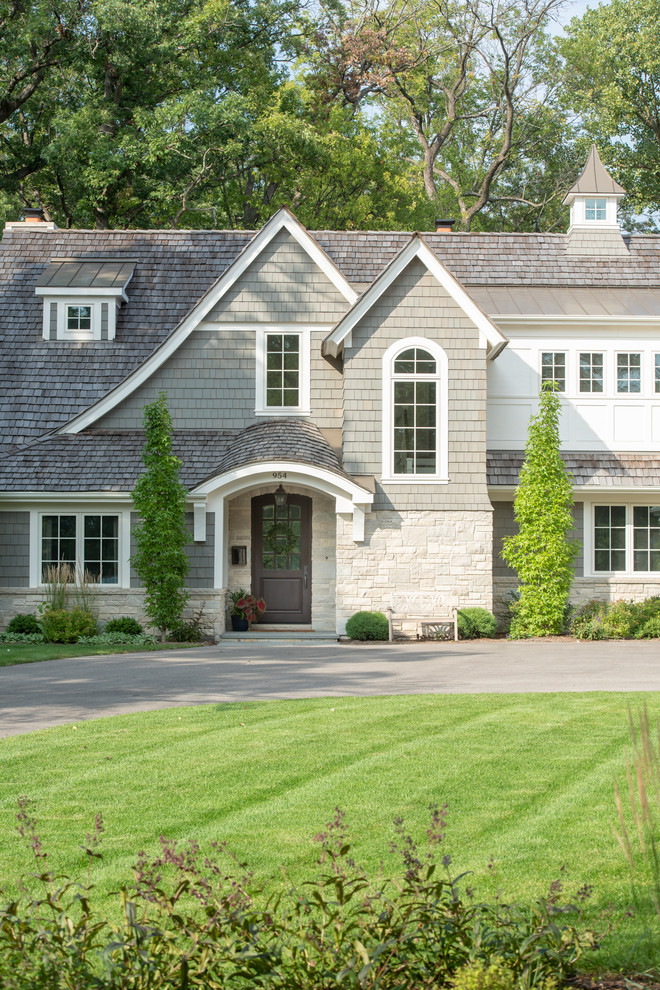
[
  {"x": 160, "y": 537},
  {"x": 124, "y": 624},
  {"x": 368, "y": 625},
  {"x": 617, "y": 620},
  {"x": 7, "y": 637},
  {"x": 23, "y": 623},
  {"x": 118, "y": 639},
  {"x": 189, "y": 922},
  {"x": 61, "y": 626},
  {"x": 185, "y": 632},
  {"x": 542, "y": 552},
  {"x": 474, "y": 623}
]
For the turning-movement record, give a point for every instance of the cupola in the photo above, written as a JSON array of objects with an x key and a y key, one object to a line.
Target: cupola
[{"x": 593, "y": 200}]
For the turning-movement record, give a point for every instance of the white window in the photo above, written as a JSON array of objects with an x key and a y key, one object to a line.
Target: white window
[
  {"x": 657, "y": 373},
  {"x": 78, "y": 319},
  {"x": 626, "y": 539},
  {"x": 629, "y": 373},
  {"x": 553, "y": 368},
  {"x": 415, "y": 428},
  {"x": 591, "y": 372},
  {"x": 87, "y": 542},
  {"x": 595, "y": 208},
  {"x": 282, "y": 387}
]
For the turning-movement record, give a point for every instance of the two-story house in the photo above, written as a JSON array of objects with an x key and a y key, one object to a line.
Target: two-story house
[{"x": 350, "y": 408}]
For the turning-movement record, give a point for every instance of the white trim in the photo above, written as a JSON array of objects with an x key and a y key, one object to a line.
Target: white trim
[
  {"x": 441, "y": 378},
  {"x": 199, "y": 521},
  {"x": 415, "y": 248},
  {"x": 79, "y": 511},
  {"x": 304, "y": 372},
  {"x": 282, "y": 220},
  {"x": 91, "y": 292},
  {"x": 270, "y": 473},
  {"x": 611, "y": 497}
]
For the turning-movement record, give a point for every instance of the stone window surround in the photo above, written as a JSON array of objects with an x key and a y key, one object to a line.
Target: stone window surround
[
  {"x": 261, "y": 335},
  {"x": 80, "y": 511},
  {"x": 442, "y": 412},
  {"x": 628, "y": 503}
]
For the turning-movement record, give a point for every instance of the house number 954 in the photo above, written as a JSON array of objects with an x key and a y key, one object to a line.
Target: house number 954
[{"x": 279, "y": 474}]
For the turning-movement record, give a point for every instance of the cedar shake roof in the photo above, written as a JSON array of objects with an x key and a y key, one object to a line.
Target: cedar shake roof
[
  {"x": 591, "y": 470},
  {"x": 100, "y": 460},
  {"x": 46, "y": 383},
  {"x": 595, "y": 179}
]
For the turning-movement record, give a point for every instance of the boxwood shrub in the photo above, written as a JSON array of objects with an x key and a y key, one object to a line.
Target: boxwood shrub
[
  {"x": 28, "y": 625},
  {"x": 125, "y": 625},
  {"x": 475, "y": 623},
  {"x": 368, "y": 625}
]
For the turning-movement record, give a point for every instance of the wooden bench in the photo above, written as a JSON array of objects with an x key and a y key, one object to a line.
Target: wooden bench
[{"x": 430, "y": 614}]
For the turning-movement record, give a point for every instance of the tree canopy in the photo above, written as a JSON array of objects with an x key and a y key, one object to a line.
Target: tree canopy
[{"x": 366, "y": 113}]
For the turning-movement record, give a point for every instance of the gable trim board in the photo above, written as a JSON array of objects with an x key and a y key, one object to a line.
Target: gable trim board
[
  {"x": 490, "y": 336},
  {"x": 282, "y": 220}
]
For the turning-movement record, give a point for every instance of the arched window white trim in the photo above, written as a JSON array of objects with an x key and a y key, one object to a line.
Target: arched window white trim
[{"x": 428, "y": 458}]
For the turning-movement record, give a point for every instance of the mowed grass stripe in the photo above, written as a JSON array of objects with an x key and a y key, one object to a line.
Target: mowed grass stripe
[{"x": 528, "y": 780}]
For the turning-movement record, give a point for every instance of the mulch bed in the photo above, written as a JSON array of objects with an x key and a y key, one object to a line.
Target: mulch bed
[{"x": 614, "y": 982}]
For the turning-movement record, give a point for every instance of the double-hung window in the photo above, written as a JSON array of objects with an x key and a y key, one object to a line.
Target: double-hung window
[
  {"x": 626, "y": 539},
  {"x": 86, "y": 542},
  {"x": 415, "y": 411},
  {"x": 282, "y": 387}
]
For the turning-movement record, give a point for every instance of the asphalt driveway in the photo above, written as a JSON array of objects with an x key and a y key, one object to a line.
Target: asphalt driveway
[{"x": 40, "y": 695}]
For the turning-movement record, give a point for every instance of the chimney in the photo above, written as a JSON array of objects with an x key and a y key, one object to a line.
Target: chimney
[
  {"x": 31, "y": 218},
  {"x": 444, "y": 226}
]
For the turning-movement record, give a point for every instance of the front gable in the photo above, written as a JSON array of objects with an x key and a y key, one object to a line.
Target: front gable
[{"x": 281, "y": 273}]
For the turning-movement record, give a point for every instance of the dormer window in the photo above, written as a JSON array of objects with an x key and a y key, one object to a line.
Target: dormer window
[
  {"x": 81, "y": 297},
  {"x": 595, "y": 209}
]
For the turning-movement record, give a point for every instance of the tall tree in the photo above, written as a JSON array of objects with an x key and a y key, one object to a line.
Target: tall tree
[
  {"x": 160, "y": 499},
  {"x": 613, "y": 60},
  {"x": 542, "y": 552},
  {"x": 472, "y": 80}
]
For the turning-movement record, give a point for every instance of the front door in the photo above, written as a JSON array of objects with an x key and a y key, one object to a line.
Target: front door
[{"x": 281, "y": 557}]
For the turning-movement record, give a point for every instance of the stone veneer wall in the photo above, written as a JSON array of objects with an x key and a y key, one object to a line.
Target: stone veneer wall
[
  {"x": 110, "y": 604},
  {"x": 583, "y": 588},
  {"x": 426, "y": 551},
  {"x": 323, "y": 550}
]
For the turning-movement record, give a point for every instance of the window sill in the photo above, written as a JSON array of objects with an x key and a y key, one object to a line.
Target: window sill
[
  {"x": 415, "y": 479},
  {"x": 282, "y": 411}
]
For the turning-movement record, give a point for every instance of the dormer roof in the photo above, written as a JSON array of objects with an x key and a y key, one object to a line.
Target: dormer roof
[
  {"x": 594, "y": 180},
  {"x": 95, "y": 275}
]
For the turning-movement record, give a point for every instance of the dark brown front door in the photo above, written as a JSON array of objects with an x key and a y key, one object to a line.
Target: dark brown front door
[{"x": 281, "y": 557}]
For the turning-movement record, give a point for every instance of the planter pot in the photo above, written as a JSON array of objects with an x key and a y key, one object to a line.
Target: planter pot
[{"x": 239, "y": 624}]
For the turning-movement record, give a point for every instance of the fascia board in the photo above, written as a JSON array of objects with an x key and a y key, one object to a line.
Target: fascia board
[
  {"x": 579, "y": 319},
  {"x": 283, "y": 219},
  {"x": 333, "y": 483},
  {"x": 415, "y": 248},
  {"x": 91, "y": 292}
]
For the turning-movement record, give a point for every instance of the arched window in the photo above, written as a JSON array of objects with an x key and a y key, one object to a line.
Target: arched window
[{"x": 415, "y": 411}]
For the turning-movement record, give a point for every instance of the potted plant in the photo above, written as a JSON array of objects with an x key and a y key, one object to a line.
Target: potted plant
[{"x": 246, "y": 609}]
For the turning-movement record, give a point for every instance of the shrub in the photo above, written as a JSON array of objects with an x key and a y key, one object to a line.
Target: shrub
[
  {"x": 60, "y": 626},
  {"x": 617, "y": 620},
  {"x": 474, "y": 623},
  {"x": 368, "y": 625},
  {"x": 650, "y": 629},
  {"x": 26, "y": 624},
  {"x": 21, "y": 637},
  {"x": 188, "y": 922},
  {"x": 185, "y": 632},
  {"x": 126, "y": 625}
]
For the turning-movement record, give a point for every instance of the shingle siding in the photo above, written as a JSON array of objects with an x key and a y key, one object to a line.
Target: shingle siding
[
  {"x": 14, "y": 549},
  {"x": 283, "y": 285},
  {"x": 504, "y": 524},
  {"x": 416, "y": 305}
]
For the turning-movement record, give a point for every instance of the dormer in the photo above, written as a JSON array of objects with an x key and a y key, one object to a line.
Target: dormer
[
  {"x": 81, "y": 297},
  {"x": 593, "y": 200}
]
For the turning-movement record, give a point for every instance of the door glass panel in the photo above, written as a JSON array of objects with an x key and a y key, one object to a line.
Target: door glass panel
[{"x": 281, "y": 537}]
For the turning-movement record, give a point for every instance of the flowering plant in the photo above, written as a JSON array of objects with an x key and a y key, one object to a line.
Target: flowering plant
[{"x": 246, "y": 605}]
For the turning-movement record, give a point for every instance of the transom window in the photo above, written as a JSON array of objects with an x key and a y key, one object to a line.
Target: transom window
[
  {"x": 591, "y": 372},
  {"x": 89, "y": 543},
  {"x": 627, "y": 538},
  {"x": 79, "y": 317},
  {"x": 628, "y": 373},
  {"x": 415, "y": 411},
  {"x": 553, "y": 368},
  {"x": 282, "y": 369},
  {"x": 595, "y": 209}
]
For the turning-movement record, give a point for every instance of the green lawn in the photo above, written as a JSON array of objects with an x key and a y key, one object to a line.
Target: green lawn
[
  {"x": 528, "y": 781},
  {"x": 13, "y": 653}
]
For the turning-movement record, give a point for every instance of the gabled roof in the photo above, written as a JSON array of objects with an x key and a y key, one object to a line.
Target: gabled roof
[
  {"x": 415, "y": 248},
  {"x": 282, "y": 220},
  {"x": 594, "y": 180}
]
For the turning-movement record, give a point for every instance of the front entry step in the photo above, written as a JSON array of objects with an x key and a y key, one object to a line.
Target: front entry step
[{"x": 270, "y": 633}]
